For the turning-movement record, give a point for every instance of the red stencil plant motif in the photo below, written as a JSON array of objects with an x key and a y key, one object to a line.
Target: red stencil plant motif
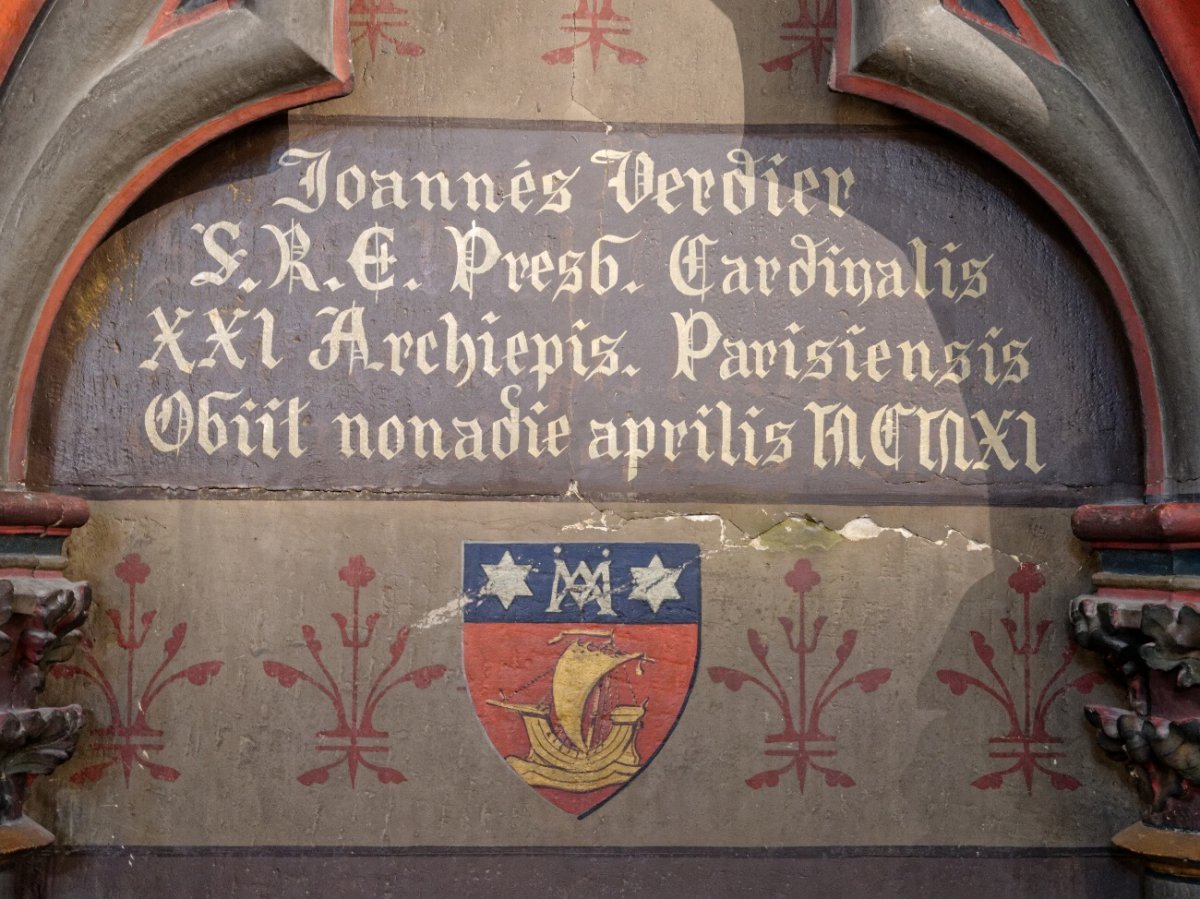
[
  {"x": 354, "y": 704},
  {"x": 597, "y": 22},
  {"x": 813, "y": 32},
  {"x": 1026, "y": 712},
  {"x": 375, "y": 20},
  {"x": 128, "y": 737},
  {"x": 801, "y": 738}
]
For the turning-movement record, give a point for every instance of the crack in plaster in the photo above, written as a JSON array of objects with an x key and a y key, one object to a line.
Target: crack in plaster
[
  {"x": 865, "y": 528},
  {"x": 812, "y": 533},
  {"x": 445, "y": 614}
]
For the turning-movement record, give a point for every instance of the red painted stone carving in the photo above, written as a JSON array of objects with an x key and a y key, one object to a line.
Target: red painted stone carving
[
  {"x": 597, "y": 22},
  {"x": 813, "y": 31},
  {"x": 40, "y": 621},
  {"x": 128, "y": 737},
  {"x": 1026, "y": 28},
  {"x": 375, "y": 21},
  {"x": 354, "y": 704},
  {"x": 801, "y": 739},
  {"x": 1027, "y": 708}
]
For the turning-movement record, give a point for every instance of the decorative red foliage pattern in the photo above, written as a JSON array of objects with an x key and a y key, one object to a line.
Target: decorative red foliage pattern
[
  {"x": 375, "y": 21},
  {"x": 801, "y": 739},
  {"x": 813, "y": 32},
  {"x": 354, "y": 704},
  {"x": 128, "y": 738},
  {"x": 1027, "y": 742},
  {"x": 597, "y": 22}
]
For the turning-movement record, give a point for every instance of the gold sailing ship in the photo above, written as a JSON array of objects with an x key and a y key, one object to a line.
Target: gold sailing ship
[{"x": 600, "y": 749}]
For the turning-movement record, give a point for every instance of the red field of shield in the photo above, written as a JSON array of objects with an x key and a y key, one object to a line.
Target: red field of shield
[{"x": 515, "y": 663}]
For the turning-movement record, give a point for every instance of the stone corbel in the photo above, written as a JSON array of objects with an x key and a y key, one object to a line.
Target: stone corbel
[
  {"x": 41, "y": 614},
  {"x": 1143, "y": 617}
]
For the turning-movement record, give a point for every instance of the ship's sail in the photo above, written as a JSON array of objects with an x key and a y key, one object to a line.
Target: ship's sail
[{"x": 577, "y": 673}]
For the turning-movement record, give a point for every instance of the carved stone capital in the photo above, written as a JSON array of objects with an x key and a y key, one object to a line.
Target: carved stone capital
[
  {"x": 41, "y": 616},
  {"x": 1136, "y": 636},
  {"x": 1143, "y": 617},
  {"x": 40, "y": 621}
]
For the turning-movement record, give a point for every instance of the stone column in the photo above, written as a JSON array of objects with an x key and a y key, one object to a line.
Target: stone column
[
  {"x": 40, "y": 616},
  {"x": 1143, "y": 616}
]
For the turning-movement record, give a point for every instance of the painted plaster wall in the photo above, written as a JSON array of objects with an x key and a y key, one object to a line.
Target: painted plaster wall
[
  {"x": 914, "y": 584},
  {"x": 926, "y": 590}
]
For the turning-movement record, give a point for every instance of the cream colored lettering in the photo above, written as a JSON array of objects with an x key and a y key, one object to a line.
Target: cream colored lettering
[
  {"x": 556, "y": 187},
  {"x": 838, "y": 424},
  {"x": 909, "y": 352},
  {"x": 885, "y": 433},
  {"x": 839, "y": 188},
  {"x": 523, "y": 186},
  {"x": 294, "y": 246},
  {"x": 347, "y": 331},
  {"x": 312, "y": 182},
  {"x": 467, "y": 263},
  {"x": 473, "y": 183},
  {"x": 779, "y": 436},
  {"x": 222, "y": 339},
  {"x": 389, "y": 191},
  {"x": 443, "y": 183},
  {"x": 689, "y": 265},
  {"x": 371, "y": 258},
  {"x": 739, "y": 180},
  {"x": 351, "y": 187},
  {"x": 267, "y": 344},
  {"x": 164, "y": 412},
  {"x": 958, "y": 361},
  {"x": 687, "y": 348},
  {"x": 470, "y": 263},
  {"x": 168, "y": 339},
  {"x": 357, "y": 423},
  {"x": 738, "y": 439},
  {"x": 1031, "y": 450},
  {"x": 211, "y": 433},
  {"x": 992, "y": 443},
  {"x": 470, "y": 440},
  {"x": 229, "y": 262}
]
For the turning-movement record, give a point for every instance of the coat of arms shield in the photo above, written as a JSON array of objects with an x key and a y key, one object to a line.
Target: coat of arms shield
[{"x": 580, "y": 658}]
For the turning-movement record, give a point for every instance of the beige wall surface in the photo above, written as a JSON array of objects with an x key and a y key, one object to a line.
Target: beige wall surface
[
  {"x": 216, "y": 661},
  {"x": 724, "y": 62},
  {"x": 239, "y": 588}
]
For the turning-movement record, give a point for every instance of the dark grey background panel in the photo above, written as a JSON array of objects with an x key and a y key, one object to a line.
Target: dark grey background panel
[{"x": 801, "y": 311}]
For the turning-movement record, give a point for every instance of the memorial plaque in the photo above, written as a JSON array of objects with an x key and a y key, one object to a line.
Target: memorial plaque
[
  {"x": 776, "y": 315},
  {"x": 721, "y": 471}
]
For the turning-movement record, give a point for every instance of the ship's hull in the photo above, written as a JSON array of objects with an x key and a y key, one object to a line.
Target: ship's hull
[{"x": 551, "y": 763}]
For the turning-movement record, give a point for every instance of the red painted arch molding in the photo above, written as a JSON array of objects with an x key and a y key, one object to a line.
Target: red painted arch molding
[
  {"x": 16, "y": 18},
  {"x": 1175, "y": 27},
  {"x": 843, "y": 79},
  {"x": 139, "y": 181}
]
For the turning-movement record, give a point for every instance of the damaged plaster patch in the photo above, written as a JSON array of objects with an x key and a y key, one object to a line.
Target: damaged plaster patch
[
  {"x": 797, "y": 532},
  {"x": 794, "y": 532},
  {"x": 608, "y": 522},
  {"x": 447, "y": 614},
  {"x": 865, "y": 528}
]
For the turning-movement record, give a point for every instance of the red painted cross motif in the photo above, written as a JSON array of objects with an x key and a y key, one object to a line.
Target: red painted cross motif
[
  {"x": 801, "y": 738},
  {"x": 128, "y": 737},
  {"x": 1025, "y": 712},
  {"x": 813, "y": 31},
  {"x": 375, "y": 20},
  {"x": 597, "y": 22},
  {"x": 355, "y": 735}
]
